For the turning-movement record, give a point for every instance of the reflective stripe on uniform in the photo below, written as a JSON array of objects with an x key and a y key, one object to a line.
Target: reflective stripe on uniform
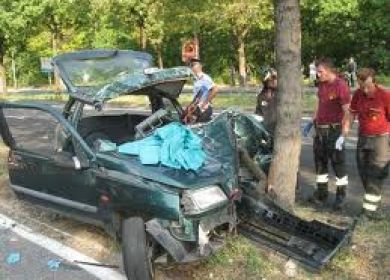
[
  {"x": 342, "y": 181},
  {"x": 322, "y": 178},
  {"x": 372, "y": 197},
  {"x": 369, "y": 207}
]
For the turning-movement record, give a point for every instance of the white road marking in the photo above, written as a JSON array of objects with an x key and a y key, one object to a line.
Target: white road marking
[
  {"x": 59, "y": 249},
  {"x": 17, "y": 117}
]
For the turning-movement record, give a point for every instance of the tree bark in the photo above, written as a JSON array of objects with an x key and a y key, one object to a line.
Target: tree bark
[
  {"x": 159, "y": 56},
  {"x": 55, "y": 41},
  {"x": 3, "y": 76},
  {"x": 241, "y": 59},
  {"x": 287, "y": 145},
  {"x": 142, "y": 37}
]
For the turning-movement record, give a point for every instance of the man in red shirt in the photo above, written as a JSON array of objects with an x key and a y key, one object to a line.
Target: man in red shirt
[
  {"x": 331, "y": 123},
  {"x": 371, "y": 104}
]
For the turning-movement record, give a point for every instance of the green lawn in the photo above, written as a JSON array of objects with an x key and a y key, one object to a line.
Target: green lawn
[
  {"x": 383, "y": 80},
  {"x": 244, "y": 101}
]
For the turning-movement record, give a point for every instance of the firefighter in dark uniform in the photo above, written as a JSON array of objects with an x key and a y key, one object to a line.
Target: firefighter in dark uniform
[
  {"x": 266, "y": 100},
  {"x": 371, "y": 105},
  {"x": 331, "y": 127}
]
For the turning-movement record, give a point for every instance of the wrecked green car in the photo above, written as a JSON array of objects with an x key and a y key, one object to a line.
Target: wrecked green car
[{"x": 68, "y": 160}]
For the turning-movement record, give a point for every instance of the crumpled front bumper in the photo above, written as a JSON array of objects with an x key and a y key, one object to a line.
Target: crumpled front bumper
[
  {"x": 312, "y": 243},
  {"x": 203, "y": 243}
]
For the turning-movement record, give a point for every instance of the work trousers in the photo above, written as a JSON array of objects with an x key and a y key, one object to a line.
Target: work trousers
[
  {"x": 324, "y": 150},
  {"x": 373, "y": 156}
]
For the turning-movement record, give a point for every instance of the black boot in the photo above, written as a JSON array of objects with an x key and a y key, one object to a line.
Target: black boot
[
  {"x": 340, "y": 198},
  {"x": 320, "y": 196},
  {"x": 377, "y": 215}
]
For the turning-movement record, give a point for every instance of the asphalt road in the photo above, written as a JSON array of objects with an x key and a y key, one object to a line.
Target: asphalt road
[
  {"x": 23, "y": 259},
  {"x": 35, "y": 255},
  {"x": 27, "y": 254}
]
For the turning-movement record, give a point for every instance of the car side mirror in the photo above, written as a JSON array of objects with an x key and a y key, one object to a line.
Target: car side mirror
[{"x": 69, "y": 161}]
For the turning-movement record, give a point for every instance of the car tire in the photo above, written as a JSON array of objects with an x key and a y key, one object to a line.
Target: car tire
[{"x": 137, "y": 250}]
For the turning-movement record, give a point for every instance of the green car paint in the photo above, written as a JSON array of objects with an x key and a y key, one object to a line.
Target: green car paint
[{"x": 107, "y": 185}]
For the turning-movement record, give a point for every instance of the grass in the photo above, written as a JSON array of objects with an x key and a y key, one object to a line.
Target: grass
[
  {"x": 383, "y": 80},
  {"x": 239, "y": 258},
  {"x": 243, "y": 101},
  {"x": 3, "y": 157},
  {"x": 41, "y": 97},
  {"x": 366, "y": 257}
]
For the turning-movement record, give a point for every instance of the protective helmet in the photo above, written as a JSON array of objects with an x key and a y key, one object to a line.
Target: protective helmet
[{"x": 268, "y": 73}]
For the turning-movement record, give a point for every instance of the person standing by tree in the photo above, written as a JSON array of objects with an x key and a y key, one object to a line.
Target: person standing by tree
[
  {"x": 331, "y": 124},
  {"x": 371, "y": 104},
  {"x": 204, "y": 92},
  {"x": 312, "y": 73},
  {"x": 266, "y": 100}
]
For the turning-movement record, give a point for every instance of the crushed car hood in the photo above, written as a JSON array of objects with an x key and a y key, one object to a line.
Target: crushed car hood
[{"x": 220, "y": 145}]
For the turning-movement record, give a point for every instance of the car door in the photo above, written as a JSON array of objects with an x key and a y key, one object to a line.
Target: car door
[{"x": 39, "y": 166}]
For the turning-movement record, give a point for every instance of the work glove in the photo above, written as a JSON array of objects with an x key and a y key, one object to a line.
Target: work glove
[
  {"x": 307, "y": 128},
  {"x": 339, "y": 143}
]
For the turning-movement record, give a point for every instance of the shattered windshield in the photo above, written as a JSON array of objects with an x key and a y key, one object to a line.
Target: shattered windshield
[{"x": 99, "y": 71}]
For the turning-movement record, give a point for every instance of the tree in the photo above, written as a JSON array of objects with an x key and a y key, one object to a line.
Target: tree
[
  {"x": 58, "y": 17},
  {"x": 241, "y": 17},
  {"x": 156, "y": 28},
  {"x": 17, "y": 19},
  {"x": 287, "y": 145},
  {"x": 329, "y": 29},
  {"x": 373, "y": 25}
]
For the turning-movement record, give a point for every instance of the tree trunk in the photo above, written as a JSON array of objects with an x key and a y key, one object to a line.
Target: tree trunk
[
  {"x": 287, "y": 145},
  {"x": 57, "y": 78},
  {"x": 196, "y": 42},
  {"x": 142, "y": 37},
  {"x": 159, "y": 56},
  {"x": 3, "y": 77},
  {"x": 241, "y": 59},
  {"x": 14, "y": 77}
]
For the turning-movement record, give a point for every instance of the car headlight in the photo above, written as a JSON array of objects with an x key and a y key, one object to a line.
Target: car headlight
[{"x": 199, "y": 200}]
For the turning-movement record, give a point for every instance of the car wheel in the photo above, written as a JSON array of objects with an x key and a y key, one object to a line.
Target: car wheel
[{"x": 137, "y": 250}]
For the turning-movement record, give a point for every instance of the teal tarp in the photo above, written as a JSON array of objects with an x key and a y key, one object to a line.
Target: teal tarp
[{"x": 173, "y": 145}]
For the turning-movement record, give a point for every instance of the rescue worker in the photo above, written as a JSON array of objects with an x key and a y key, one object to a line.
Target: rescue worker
[
  {"x": 204, "y": 92},
  {"x": 330, "y": 120},
  {"x": 371, "y": 105},
  {"x": 266, "y": 100}
]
